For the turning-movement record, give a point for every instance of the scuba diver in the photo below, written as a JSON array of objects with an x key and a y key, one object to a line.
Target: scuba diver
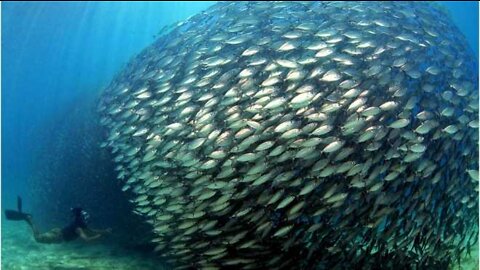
[{"x": 77, "y": 228}]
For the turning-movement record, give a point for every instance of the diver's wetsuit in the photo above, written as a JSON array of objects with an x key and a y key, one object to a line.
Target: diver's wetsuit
[
  {"x": 69, "y": 233},
  {"x": 58, "y": 235}
]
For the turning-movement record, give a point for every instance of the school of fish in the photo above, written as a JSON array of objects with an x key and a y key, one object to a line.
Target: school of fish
[{"x": 302, "y": 135}]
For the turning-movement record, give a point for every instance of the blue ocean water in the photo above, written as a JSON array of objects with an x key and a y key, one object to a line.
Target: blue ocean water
[
  {"x": 465, "y": 16},
  {"x": 56, "y": 55}
]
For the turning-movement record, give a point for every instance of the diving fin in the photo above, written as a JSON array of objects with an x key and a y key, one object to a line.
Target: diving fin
[{"x": 17, "y": 215}]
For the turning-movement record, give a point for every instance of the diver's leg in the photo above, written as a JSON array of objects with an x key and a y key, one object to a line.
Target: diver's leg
[
  {"x": 29, "y": 220},
  {"x": 53, "y": 236}
]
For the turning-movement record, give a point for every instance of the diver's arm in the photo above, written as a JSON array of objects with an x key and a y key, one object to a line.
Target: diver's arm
[{"x": 85, "y": 237}]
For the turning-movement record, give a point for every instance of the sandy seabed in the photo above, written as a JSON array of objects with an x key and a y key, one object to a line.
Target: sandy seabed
[{"x": 20, "y": 251}]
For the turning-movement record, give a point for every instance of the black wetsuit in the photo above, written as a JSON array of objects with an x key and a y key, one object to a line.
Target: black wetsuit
[{"x": 69, "y": 233}]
